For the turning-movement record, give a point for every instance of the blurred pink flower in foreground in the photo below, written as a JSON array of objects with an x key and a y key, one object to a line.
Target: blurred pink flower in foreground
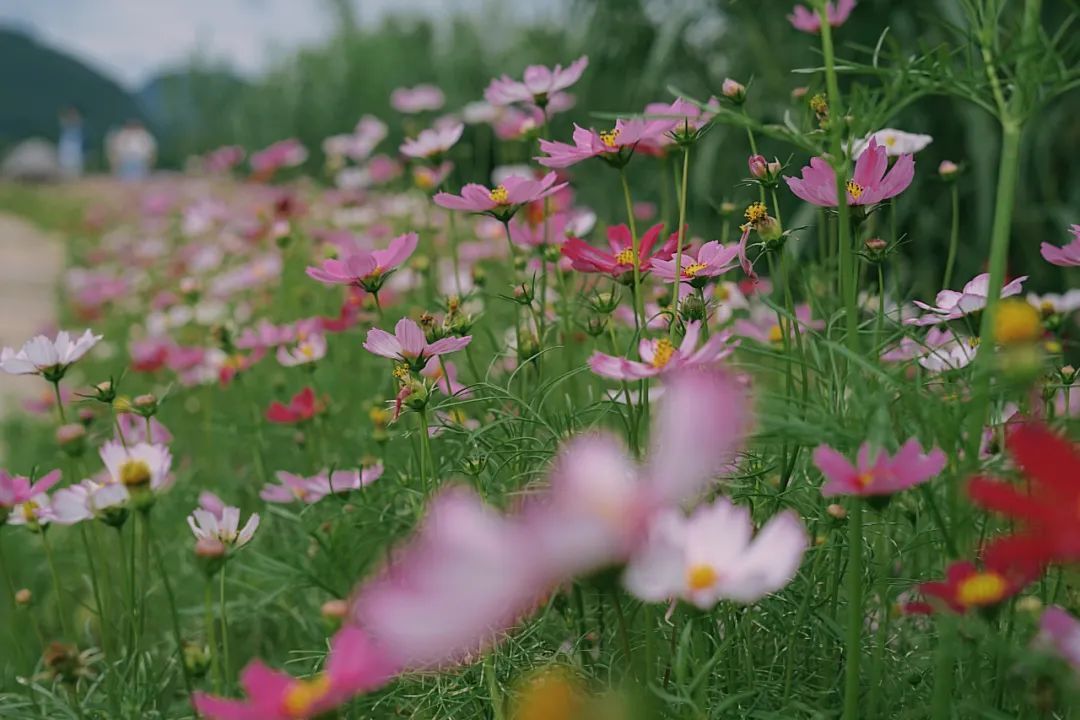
[
  {"x": 871, "y": 182},
  {"x": 503, "y": 200},
  {"x": 713, "y": 555},
  {"x": 877, "y": 474},
  {"x": 1060, "y": 631},
  {"x": 1065, "y": 256},
  {"x": 537, "y": 86},
  {"x": 952, "y": 305},
  {"x": 417, "y": 99},
  {"x": 809, "y": 21},
  {"x": 661, "y": 356}
]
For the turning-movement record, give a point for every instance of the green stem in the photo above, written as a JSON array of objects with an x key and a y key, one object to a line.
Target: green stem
[
  {"x": 884, "y": 609},
  {"x": 639, "y": 311},
  {"x": 494, "y": 693},
  {"x": 427, "y": 462},
  {"x": 177, "y": 636},
  {"x": 59, "y": 402},
  {"x": 226, "y": 666},
  {"x": 211, "y": 635},
  {"x": 954, "y": 236},
  {"x": 60, "y": 610},
  {"x": 679, "y": 250},
  {"x": 853, "y": 649}
]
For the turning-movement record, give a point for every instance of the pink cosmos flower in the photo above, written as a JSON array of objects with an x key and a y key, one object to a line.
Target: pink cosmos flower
[
  {"x": 1065, "y": 256},
  {"x": 418, "y": 99},
  {"x": 538, "y": 85},
  {"x": 265, "y": 335},
  {"x": 367, "y": 270},
  {"x": 710, "y": 261},
  {"x": 607, "y": 145},
  {"x": 1060, "y": 631},
  {"x": 713, "y": 555},
  {"x": 687, "y": 116},
  {"x": 355, "y": 665},
  {"x": 222, "y": 524},
  {"x": 310, "y": 349},
  {"x": 302, "y": 406},
  {"x": 41, "y": 356},
  {"x": 223, "y": 159},
  {"x": 619, "y": 261},
  {"x": 30, "y": 498},
  {"x": 872, "y": 181},
  {"x": 282, "y": 154},
  {"x": 879, "y": 474},
  {"x": 952, "y": 305},
  {"x": 408, "y": 344},
  {"x": 660, "y": 356},
  {"x": 432, "y": 142},
  {"x": 810, "y": 22},
  {"x": 503, "y": 200},
  {"x": 297, "y": 488},
  {"x": 447, "y": 381}
]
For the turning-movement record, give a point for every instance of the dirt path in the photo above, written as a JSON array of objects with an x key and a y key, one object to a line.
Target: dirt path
[{"x": 31, "y": 263}]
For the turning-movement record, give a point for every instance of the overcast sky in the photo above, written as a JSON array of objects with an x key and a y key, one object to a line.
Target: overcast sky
[{"x": 133, "y": 39}]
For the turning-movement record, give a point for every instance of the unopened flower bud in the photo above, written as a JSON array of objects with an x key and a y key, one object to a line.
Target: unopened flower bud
[
  {"x": 948, "y": 170},
  {"x": 758, "y": 166},
  {"x": 197, "y": 658},
  {"x": 1029, "y": 604},
  {"x": 837, "y": 512},
  {"x": 122, "y": 404},
  {"x": 24, "y": 597},
  {"x": 876, "y": 245},
  {"x": 334, "y": 610},
  {"x": 734, "y": 91},
  {"x": 693, "y": 309},
  {"x": 86, "y": 416},
  {"x": 71, "y": 438},
  {"x": 145, "y": 404},
  {"x": 728, "y": 208},
  {"x": 1068, "y": 374},
  {"x": 799, "y": 93}
]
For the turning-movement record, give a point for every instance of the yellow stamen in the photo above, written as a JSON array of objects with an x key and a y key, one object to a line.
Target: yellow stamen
[
  {"x": 625, "y": 257},
  {"x": 890, "y": 140},
  {"x": 855, "y": 190},
  {"x": 776, "y": 334},
  {"x": 701, "y": 577},
  {"x": 865, "y": 479},
  {"x": 662, "y": 353},
  {"x": 609, "y": 137},
  {"x": 134, "y": 473},
  {"x": 307, "y": 351},
  {"x": 29, "y": 511},
  {"x": 302, "y": 696},
  {"x": 981, "y": 589},
  {"x": 722, "y": 293},
  {"x": 819, "y": 104},
  {"x": 499, "y": 195},
  {"x": 401, "y": 372},
  {"x": 756, "y": 212},
  {"x": 692, "y": 270}
]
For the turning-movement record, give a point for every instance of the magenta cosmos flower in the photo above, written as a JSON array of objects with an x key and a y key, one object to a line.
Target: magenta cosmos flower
[
  {"x": 502, "y": 201},
  {"x": 952, "y": 305},
  {"x": 282, "y": 154},
  {"x": 1066, "y": 256},
  {"x": 608, "y": 145},
  {"x": 433, "y": 142},
  {"x": 619, "y": 260},
  {"x": 661, "y": 356},
  {"x": 874, "y": 475},
  {"x": 409, "y": 345},
  {"x": 872, "y": 181},
  {"x": 809, "y": 21},
  {"x": 417, "y": 99},
  {"x": 367, "y": 270},
  {"x": 354, "y": 665},
  {"x": 538, "y": 84},
  {"x": 697, "y": 269},
  {"x": 16, "y": 490}
]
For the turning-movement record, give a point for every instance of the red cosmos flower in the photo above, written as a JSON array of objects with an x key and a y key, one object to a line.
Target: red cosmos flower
[
  {"x": 303, "y": 406},
  {"x": 1049, "y": 511},
  {"x": 966, "y": 587},
  {"x": 620, "y": 260}
]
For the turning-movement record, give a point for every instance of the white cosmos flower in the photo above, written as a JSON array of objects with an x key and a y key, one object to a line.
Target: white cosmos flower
[
  {"x": 223, "y": 527},
  {"x": 895, "y": 142},
  {"x": 88, "y": 500},
  {"x": 139, "y": 465},
  {"x": 40, "y": 355},
  {"x": 308, "y": 350}
]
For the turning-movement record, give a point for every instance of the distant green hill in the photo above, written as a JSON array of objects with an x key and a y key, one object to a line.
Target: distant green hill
[{"x": 36, "y": 82}]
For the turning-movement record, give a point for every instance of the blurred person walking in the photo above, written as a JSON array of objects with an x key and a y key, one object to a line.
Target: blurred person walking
[
  {"x": 132, "y": 151},
  {"x": 70, "y": 146}
]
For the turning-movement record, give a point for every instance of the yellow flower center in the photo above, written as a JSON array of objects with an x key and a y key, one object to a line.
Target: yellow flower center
[
  {"x": 625, "y": 257},
  {"x": 890, "y": 140},
  {"x": 29, "y": 509},
  {"x": 701, "y": 577},
  {"x": 379, "y": 416},
  {"x": 134, "y": 473},
  {"x": 756, "y": 212},
  {"x": 1016, "y": 322},
  {"x": 865, "y": 479},
  {"x": 855, "y": 190},
  {"x": 692, "y": 270},
  {"x": 776, "y": 334},
  {"x": 307, "y": 350},
  {"x": 499, "y": 195},
  {"x": 423, "y": 180},
  {"x": 722, "y": 293},
  {"x": 984, "y": 588},
  {"x": 609, "y": 137},
  {"x": 662, "y": 353},
  {"x": 1045, "y": 307},
  {"x": 303, "y": 694},
  {"x": 401, "y": 372}
]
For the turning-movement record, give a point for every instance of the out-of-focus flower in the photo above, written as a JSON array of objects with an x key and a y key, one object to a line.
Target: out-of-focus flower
[
  {"x": 367, "y": 270},
  {"x": 872, "y": 181},
  {"x": 282, "y": 154},
  {"x": 223, "y": 524},
  {"x": 1060, "y": 631},
  {"x": 895, "y": 142},
  {"x": 223, "y": 159},
  {"x": 134, "y": 429},
  {"x": 809, "y": 21},
  {"x": 503, "y": 200},
  {"x": 301, "y": 407},
  {"x": 966, "y": 587},
  {"x": 310, "y": 349},
  {"x": 710, "y": 261},
  {"x": 50, "y": 358},
  {"x": 538, "y": 84},
  {"x": 713, "y": 555},
  {"x": 1065, "y": 256},
  {"x": 733, "y": 90},
  {"x": 875, "y": 475},
  {"x": 433, "y": 142},
  {"x": 952, "y": 305},
  {"x": 948, "y": 170},
  {"x": 955, "y": 354},
  {"x": 762, "y": 325},
  {"x": 408, "y": 344},
  {"x": 619, "y": 261},
  {"x": 28, "y": 500},
  {"x": 446, "y": 381},
  {"x": 661, "y": 356},
  {"x": 418, "y": 99},
  {"x": 297, "y": 488}
]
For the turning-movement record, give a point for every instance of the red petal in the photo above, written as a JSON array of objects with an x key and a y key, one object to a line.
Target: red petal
[{"x": 1050, "y": 460}]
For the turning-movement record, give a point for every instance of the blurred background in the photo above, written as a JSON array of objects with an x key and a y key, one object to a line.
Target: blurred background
[{"x": 198, "y": 74}]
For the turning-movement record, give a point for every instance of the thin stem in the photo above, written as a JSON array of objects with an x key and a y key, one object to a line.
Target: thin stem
[
  {"x": 679, "y": 250},
  {"x": 639, "y": 311},
  {"x": 494, "y": 693},
  {"x": 56, "y": 582},
  {"x": 427, "y": 463},
  {"x": 954, "y": 236},
  {"x": 211, "y": 635},
  {"x": 59, "y": 402},
  {"x": 226, "y": 667},
  {"x": 177, "y": 636},
  {"x": 853, "y": 648}
]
